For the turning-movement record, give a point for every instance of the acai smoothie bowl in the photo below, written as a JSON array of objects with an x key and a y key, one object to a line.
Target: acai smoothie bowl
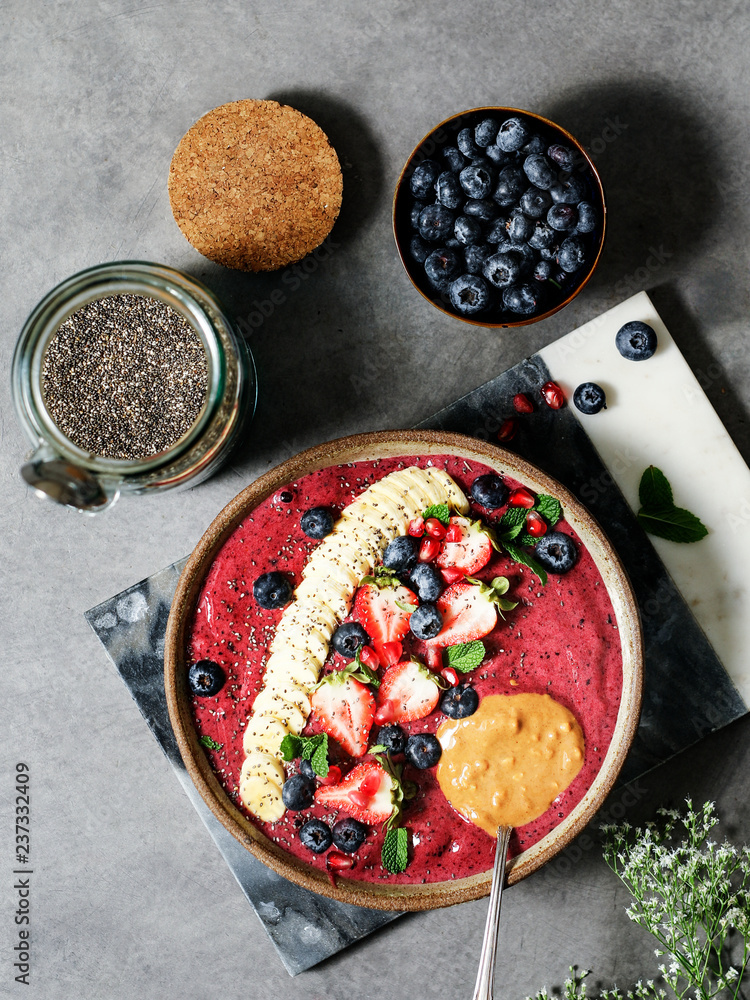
[{"x": 389, "y": 646}]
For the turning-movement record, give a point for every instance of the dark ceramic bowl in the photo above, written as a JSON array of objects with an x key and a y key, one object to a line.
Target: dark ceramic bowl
[
  {"x": 549, "y": 295},
  {"x": 369, "y": 447}
]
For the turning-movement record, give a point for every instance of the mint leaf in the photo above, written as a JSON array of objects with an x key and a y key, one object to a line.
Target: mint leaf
[
  {"x": 465, "y": 656},
  {"x": 312, "y": 748},
  {"x": 513, "y": 517},
  {"x": 549, "y": 507},
  {"x": 206, "y": 741},
  {"x": 654, "y": 489},
  {"x": 673, "y": 523},
  {"x": 319, "y": 759},
  {"x": 291, "y": 747},
  {"x": 518, "y": 555},
  {"x": 395, "y": 853},
  {"x": 526, "y": 539},
  {"x": 440, "y": 511},
  {"x": 511, "y": 533}
]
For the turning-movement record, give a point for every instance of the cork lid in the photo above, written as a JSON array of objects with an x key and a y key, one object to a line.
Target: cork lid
[{"x": 255, "y": 185}]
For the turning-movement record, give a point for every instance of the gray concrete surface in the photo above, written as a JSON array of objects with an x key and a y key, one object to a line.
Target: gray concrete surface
[{"x": 129, "y": 898}]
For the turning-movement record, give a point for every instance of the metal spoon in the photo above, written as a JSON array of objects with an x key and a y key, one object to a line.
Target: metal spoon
[{"x": 486, "y": 973}]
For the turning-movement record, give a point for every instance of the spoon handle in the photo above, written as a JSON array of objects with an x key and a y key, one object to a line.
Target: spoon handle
[{"x": 486, "y": 973}]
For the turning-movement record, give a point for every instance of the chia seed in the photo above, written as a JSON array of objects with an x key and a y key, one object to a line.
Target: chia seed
[{"x": 125, "y": 377}]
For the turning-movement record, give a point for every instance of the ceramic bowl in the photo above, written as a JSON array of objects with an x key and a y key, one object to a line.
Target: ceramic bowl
[
  {"x": 369, "y": 447},
  {"x": 552, "y": 294}
]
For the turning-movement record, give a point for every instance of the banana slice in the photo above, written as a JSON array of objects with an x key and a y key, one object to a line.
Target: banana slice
[
  {"x": 286, "y": 664},
  {"x": 413, "y": 485},
  {"x": 342, "y": 552},
  {"x": 332, "y": 569},
  {"x": 330, "y": 592},
  {"x": 312, "y": 614},
  {"x": 375, "y": 518},
  {"x": 264, "y": 734},
  {"x": 274, "y": 704},
  {"x": 306, "y": 640},
  {"x": 400, "y": 497},
  {"x": 262, "y": 797},
  {"x": 263, "y": 765},
  {"x": 282, "y": 693},
  {"x": 392, "y": 510},
  {"x": 456, "y": 498}
]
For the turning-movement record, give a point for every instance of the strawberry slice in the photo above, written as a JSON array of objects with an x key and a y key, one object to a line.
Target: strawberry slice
[
  {"x": 344, "y": 708},
  {"x": 408, "y": 691},
  {"x": 376, "y": 607},
  {"x": 471, "y": 552},
  {"x": 467, "y": 612},
  {"x": 366, "y": 794}
]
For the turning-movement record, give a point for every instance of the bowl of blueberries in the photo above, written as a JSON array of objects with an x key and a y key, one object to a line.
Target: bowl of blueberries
[{"x": 499, "y": 217}]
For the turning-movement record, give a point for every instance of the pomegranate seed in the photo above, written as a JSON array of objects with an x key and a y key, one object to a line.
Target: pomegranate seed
[
  {"x": 434, "y": 657},
  {"x": 450, "y": 675},
  {"x": 338, "y": 861},
  {"x": 359, "y": 798},
  {"x": 416, "y": 527},
  {"x": 385, "y": 713},
  {"x": 333, "y": 777},
  {"x": 370, "y": 785},
  {"x": 392, "y": 652},
  {"x": 553, "y": 395},
  {"x": 454, "y": 533},
  {"x": 508, "y": 429},
  {"x": 535, "y": 524},
  {"x": 522, "y": 403},
  {"x": 429, "y": 549},
  {"x": 369, "y": 657},
  {"x": 451, "y": 575},
  {"x": 522, "y": 498},
  {"x": 434, "y": 528}
]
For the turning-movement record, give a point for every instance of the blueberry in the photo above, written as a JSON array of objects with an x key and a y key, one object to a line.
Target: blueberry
[
  {"x": 520, "y": 226},
  {"x": 423, "y": 178},
  {"x": 416, "y": 210},
  {"x": 590, "y": 398},
  {"x": 419, "y": 250},
  {"x": 562, "y": 217},
  {"x": 426, "y": 621},
  {"x": 448, "y": 189},
  {"x": 465, "y": 142},
  {"x": 497, "y": 231},
  {"x": 297, "y": 792},
  {"x": 435, "y": 223},
  {"x": 586, "y": 217},
  {"x": 489, "y": 491},
  {"x": 535, "y": 202},
  {"x": 393, "y": 738},
  {"x": 401, "y": 554},
  {"x": 306, "y": 770},
  {"x": 476, "y": 180},
  {"x": 512, "y": 135},
  {"x": 543, "y": 236},
  {"x": 537, "y": 168},
  {"x": 348, "y": 638},
  {"x": 426, "y": 581},
  {"x": 486, "y": 132},
  {"x": 459, "y": 702},
  {"x": 556, "y": 552},
  {"x": 563, "y": 156},
  {"x": 349, "y": 834},
  {"x": 272, "y": 590},
  {"x": 442, "y": 266},
  {"x": 511, "y": 184},
  {"x": 469, "y": 294},
  {"x": 476, "y": 255},
  {"x": 522, "y": 299},
  {"x": 454, "y": 158},
  {"x": 536, "y": 144},
  {"x": 317, "y": 522},
  {"x": 497, "y": 155},
  {"x": 522, "y": 250},
  {"x": 480, "y": 208},
  {"x": 551, "y": 252},
  {"x": 502, "y": 269},
  {"x": 572, "y": 254},
  {"x": 206, "y": 678},
  {"x": 636, "y": 341},
  {"x": 467, "y": 230},
  {"x": 568, "y": 191},
  {"x": 423, "y": 750},
  {"x": 543, "y": 270},
  {"x": 315, "y": 835}
]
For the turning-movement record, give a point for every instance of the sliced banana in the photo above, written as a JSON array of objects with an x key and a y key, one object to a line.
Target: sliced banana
[
  {"x": 327, "y": 591},
  {"x": 264, "y": 765},
  {"x": 310, "y": 613},
  {"x": 264, "y": 733},
  {"x": 262, "y": 797},
  {"x": 332, "y": 569},
  {"x": 306, "y": 640},
  {"x": 273, "y": 703},
  {"x": 456, "y": 498},
  {"x": 283, "y": 666},
  {"x": 401, "y": 497},
  {"x": 413, "y": 484}
]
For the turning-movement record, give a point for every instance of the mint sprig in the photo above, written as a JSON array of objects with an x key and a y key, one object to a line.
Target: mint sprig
[
  {"x": 440, "y": 511},
  {"x": 312, "y": 748},
  {"x": 658, "y": 514},
  {"x": 395, "y": 852},
  {"x": 518, "y": 555},
  {"x": 549, "y": 507},
  {"x": 209, "y": 743},
  {"x": 465, "y": 656}
]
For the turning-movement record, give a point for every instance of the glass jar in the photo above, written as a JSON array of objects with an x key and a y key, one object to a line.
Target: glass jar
[{"x": 58, "y": 468}]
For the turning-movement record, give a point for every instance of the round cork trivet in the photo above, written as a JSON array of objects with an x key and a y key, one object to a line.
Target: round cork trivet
[{"x": 255, "y": 185}]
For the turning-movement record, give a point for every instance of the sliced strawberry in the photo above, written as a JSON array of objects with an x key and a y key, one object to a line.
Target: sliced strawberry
[
  {"x": 451, "y": 575},
  {"x": 410, "y": 690},
  {"x": 345, "y": 709},
  {"x": 366, "y": 794},
  {"x": 392, "y": 652},
  {"x": 470, "y": 553},
  {"x": 377, "y": 609},
  {"x": 467, "y": 615}
]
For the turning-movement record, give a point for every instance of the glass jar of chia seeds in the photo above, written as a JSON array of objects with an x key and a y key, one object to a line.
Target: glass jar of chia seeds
[{"x": 128, "y": 378}]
